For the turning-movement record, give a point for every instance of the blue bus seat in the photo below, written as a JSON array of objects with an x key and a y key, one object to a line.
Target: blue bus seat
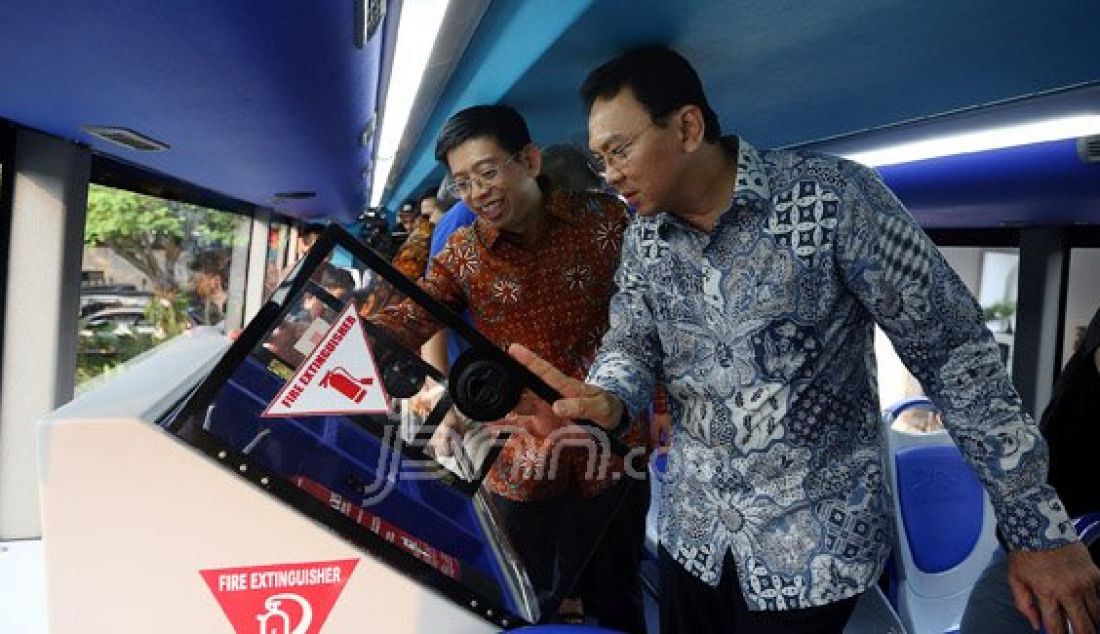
[
  {"x": 946, "y": 530},
  {"x": 941, "y": 505}
]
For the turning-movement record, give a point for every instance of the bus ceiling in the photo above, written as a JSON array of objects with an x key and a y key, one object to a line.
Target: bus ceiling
[{"x": 257, "y": 99}]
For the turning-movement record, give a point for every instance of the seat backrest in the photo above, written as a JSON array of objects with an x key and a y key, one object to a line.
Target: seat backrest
[
  {"x": 940, "y": 501},
  {"x": 945, "y": 524}
]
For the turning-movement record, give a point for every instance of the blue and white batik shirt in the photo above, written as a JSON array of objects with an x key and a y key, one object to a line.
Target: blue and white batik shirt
[{"x": 762, "y": 331}]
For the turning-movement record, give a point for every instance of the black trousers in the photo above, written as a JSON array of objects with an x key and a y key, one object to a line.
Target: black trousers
[
  {"x": 537, "y": 533},
  {"x": 556, "y": 537},
  {"x": 610, "y": 584},
  {"x": 689, "y": 606}
]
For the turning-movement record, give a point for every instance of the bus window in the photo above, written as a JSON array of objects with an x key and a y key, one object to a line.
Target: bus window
[
  {"x": 155, "y": 268},
  {"x": 1082, "y": 297},
  {"x": 278, "y": 242},
  {"x": 991, "y": 275}
]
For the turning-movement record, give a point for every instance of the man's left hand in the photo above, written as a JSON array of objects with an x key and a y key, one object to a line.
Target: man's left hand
[{"x": 1053, "y": 587}]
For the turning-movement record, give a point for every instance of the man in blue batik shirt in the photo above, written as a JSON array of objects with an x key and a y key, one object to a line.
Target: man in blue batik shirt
[{"x": 750, "y": 284}]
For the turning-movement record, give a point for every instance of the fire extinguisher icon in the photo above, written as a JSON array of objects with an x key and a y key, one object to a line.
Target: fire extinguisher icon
[
  {"x": 343, "y": 382},
  {"x": 277, "y": 621}
]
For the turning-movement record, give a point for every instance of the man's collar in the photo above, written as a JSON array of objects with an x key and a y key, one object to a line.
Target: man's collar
[
  {"x": 752, "y": 180},
  {"x": 559, "y": 204}
]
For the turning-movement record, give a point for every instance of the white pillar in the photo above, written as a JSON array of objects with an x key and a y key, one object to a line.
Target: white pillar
[
  {"x": 41, "y": 310},
  {"x": 257, "y": 264},
  {"x": 238, "y": 275}
]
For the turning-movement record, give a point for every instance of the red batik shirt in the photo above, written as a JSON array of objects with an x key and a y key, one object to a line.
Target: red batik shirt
[
  {"x": 552, "y": 298},
  {"x": 412, "y": 257}
]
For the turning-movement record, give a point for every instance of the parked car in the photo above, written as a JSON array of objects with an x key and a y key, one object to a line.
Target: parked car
[
  {"x": 120, "y": 331},
  {"x": 95, "y": 300},
  {"x": 125, "y": 320}
]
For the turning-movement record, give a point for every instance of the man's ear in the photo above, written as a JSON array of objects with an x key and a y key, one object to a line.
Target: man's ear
[
  {"x": 531, "y": 156},
  {"x": 689, "y": 123}
]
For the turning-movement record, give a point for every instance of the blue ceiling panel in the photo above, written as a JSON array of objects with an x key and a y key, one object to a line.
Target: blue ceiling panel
[
  {"x": 795, "y": 73},
  {"x": 253, "y": 98}
]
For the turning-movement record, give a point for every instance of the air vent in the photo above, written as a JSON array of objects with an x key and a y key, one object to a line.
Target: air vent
[
  {"x": 126, "y": 138},
  {"x": 1088, "y": 148},
  {"x": 294, "y": 195},
  {"x": 368, "y": 17}
]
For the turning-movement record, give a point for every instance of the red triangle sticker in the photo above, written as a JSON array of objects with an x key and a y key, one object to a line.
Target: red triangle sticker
[
  {"x": 339, "y": 376},
  {"x": 279, "y": 599}
]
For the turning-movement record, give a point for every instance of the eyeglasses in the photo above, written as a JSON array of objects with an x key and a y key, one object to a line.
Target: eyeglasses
[
  {"x": 485, "y": 175},
  {"x": 618, "y": 156}
]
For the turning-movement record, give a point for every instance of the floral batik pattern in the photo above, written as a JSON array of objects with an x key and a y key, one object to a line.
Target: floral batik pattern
[
  {"x": 551, "y": 297},
  {"x": 762, "y": 330}
]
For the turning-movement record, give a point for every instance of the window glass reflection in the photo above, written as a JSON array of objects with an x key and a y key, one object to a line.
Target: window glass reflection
[{"x": 152, "y": 269}]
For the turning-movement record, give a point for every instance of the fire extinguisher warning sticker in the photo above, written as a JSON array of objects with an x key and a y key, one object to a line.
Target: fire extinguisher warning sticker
[
  {"x": 340, "y": 376},
  {"x": 279, "y": 599}
]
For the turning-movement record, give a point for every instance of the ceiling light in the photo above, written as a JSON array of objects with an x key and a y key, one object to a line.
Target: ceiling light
[
  {"x": 980, "y": 140},
  {"x": 126, "y": 138},
  {"x": 418, "y": 25}
]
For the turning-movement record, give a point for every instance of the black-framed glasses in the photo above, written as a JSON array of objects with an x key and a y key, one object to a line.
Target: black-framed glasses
[
  {"x": 618, "y": 156},
  {"x": 487, "y": 174}
]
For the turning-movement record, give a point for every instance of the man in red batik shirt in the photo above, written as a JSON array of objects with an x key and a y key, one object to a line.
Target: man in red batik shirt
[{"x": 536, "y": 268}]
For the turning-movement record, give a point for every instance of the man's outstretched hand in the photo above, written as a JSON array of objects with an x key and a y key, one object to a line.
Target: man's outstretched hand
[
  {"x": 1053, "y": 587},
  {"x": 579, "y": 400}
]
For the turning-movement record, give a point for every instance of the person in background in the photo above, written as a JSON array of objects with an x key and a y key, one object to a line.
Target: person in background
[
  {"x": 1071, "y": 426},
  {"x": 412, "y": 257},
  {"x": 566, "y": 165},
  {"x": 430, "y": 207},
  {"x": 307, "y": 237},
  {"x": 337, "y": 282},
  {"x": 209, "y": 296},
  {"x": 406, "y": 220},
  {"x": 750, "y": 284}
]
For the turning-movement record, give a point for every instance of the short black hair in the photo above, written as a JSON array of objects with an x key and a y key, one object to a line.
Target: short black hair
[
  {"x": 428, "y": 193},
  {"x": 311, "y": 228},
  {"x": 566, "y": 166},
  {"x": 661, "y": 80},
  {"x": 499, "y": 123}
]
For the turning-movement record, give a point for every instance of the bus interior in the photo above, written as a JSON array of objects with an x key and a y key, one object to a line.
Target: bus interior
[{"x": 168, "y": 470}]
